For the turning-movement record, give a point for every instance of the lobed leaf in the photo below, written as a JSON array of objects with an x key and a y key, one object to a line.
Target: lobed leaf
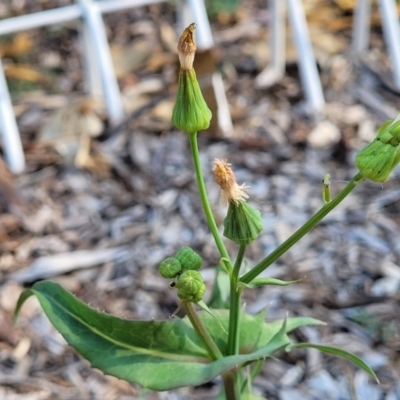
[{"x": 159, "y": 355}]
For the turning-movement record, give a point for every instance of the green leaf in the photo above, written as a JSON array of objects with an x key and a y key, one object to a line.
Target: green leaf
[
  {"x": 220, "y": 293},
  {"x": 22, "y": 298},
  {"x": 264, "y": 282},
  {"x": 205, "y": 308},
  {"x": 338, "y": 352},
  {"x": 159, "y": 355}
]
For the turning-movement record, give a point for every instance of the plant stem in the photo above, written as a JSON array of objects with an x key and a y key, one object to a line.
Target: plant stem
[
  {"x": 234, "y": 306},
  {"x": 231, "y": 388},
  {"x": 286, "y": 245},
  {"x": 204, "y": 198},
  {"x": 252, "y": 375},
  {"x": 212, "y": 348}
]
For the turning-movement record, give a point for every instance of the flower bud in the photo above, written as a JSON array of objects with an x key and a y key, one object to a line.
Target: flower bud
[
  {"x": 191, "y": 287},
  {"x": 243, "y": 223},
  {"x": 379, "y": 158},
  {"x": 170, "y": 268},
  {"x": 326, "y": 191},
  {"x": 191, "y": 113},
  {"x": 188, "y": 259}
]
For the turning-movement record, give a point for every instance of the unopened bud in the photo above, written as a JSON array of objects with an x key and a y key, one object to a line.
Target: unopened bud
[
  {"x": 191, "y": 113},
  {"x": 326, "y": 189},
  {"x": 170, "y": 268},
  {"x": 188, "y": 259},
  {"x": 379, "y": 158},
  {"x": 191, "y": 287}
]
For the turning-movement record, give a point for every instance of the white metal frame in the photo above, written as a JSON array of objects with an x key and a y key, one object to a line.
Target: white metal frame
[
  {"x": 391, "y": 31},
  {"x": 307, "y": 64},
  {"x": 98, "y": 62}
]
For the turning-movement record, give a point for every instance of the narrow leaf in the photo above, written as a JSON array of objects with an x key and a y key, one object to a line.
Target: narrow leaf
[
  {"x": 264, "y": 282},
  {"x": 341, "y": 353},
  {"x": 22, "y": 298}
]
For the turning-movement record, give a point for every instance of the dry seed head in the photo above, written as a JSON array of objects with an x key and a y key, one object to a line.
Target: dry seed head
[
  {"x": 226, "y": 180},
  {"x": 187, "y": 47}
]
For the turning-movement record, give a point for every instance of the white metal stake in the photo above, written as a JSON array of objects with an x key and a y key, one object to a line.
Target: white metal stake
[
  {"x": 204, "y": 37},
  {"x": 361, "y": 26},
  {"x": 106, "y": 6},
  {"x": 96, "y": 31},
  {"x": 277, "y": 42},
  {"x": 91, "y": 71},
  {"x": 43, "y": 18},
  {"x": 184, "y": 16},
  {"x": 391, "y": 30},
  {"x": 307, "y": 64},
  {"x": 12, "y": 145}
]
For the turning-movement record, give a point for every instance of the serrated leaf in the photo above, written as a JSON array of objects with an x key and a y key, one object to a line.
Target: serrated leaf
[
  {"x": 264, "y": 282},
  {"x": 341, "y": 353},
  {"x": 159, "y": 355}
]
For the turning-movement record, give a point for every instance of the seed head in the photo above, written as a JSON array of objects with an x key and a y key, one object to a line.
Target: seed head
[{"x": 226, "y": 180}]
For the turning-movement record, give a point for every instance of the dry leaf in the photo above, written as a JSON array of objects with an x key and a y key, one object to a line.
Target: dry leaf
[
  {"x": 21, "y": 44},
  {"x": 158, "y": 60},
  {"x": 66, "y": 125},
  {"x": 22, "y": 72},
  {"x": 168, "y": 36},
  {"x": 327, "y": 42},
  {"x": 8, "y": 193},
  {"x": 163, "y": 109},
  {"x": 130, "y": 58},
  {"x": 346, "y": 5}
]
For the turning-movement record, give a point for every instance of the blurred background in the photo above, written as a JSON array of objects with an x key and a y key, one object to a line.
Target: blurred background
[{"x": 101, "y": 203}]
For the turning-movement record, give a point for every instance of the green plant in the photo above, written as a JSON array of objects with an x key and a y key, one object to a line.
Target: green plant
[{"x": 163, "y": 355}]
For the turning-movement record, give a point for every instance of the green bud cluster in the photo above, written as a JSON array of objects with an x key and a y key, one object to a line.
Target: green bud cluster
[
  {"x": 184, "y": 268},
  {"x": 379, "y": 158}
]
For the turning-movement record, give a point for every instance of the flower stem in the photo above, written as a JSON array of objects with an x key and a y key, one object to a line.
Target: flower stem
[
  {"x": 286, "y": 245},
  {"x": 234, "y": 306},
  {"x": 230, "y": 385},
  {"x": 213, "y": 350},
  {"x": 204, "y": 198}
]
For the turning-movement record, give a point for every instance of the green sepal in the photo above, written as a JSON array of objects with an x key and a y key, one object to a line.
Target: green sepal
[
  {"x": 170, "y": 268},
  {"x": 191, "y": 113},
  {"x": 243, "y": 223},
  {"x": 188, "y": 259}
]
